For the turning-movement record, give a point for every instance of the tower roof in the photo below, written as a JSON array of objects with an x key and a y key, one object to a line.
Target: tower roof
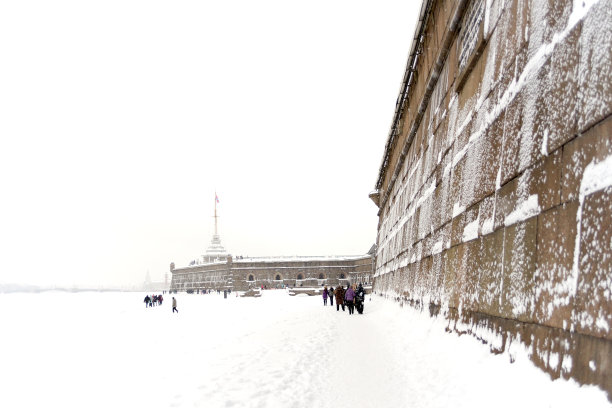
[{"x": 215, "y": 248}]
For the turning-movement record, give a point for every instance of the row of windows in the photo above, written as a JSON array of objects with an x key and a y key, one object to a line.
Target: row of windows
[{"x": 251, "y": 278}]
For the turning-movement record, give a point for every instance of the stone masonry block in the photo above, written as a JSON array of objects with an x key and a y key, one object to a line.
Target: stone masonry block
[
  {"x": 425, "y": 278},
  {"x": 511, "y": 140},
  {"x": 491, "y": 269},
  {"x": 593, "y": 146},
  {"x": 505, "y": 202},
  {"x": 595, "y": 86},
  {"x": 451, "y": 60},
  {"x": 460, "y": 273},
  {"x": 471, "y": 87},
  {"x": 496, "y": 10},
  {"x": 450, "y": 279},
  {"x": 415, "y": 226},
  {"x": 594, "y": 292},
  {"x": 456, "y": 185},
  {"x": 561, "y": 93},
  {"x": 535, "y": 117},
  {"x": 486, "y": 213},
  {"x": 513, "y": 27},
  {"x": 469, "y": 287},
  {"x": 428, "y": 243},
  {"x": 517, "y": 300},
  {"x": 526, "y": 119},
  {"x": 457, "y": 227},
  {"x": 546, "y": 17},
  {"x": 437, "y": 272},
  {"x": 556, "y": 240},
  {"x": 446, "y": 206},
  {"x": 469, "y": 219},
  {"x": 441, "y": 212},
  {"x": 485, "y": 168},
  {"x": 442, "y": 131},
  {"x": 545, "y": 181}
]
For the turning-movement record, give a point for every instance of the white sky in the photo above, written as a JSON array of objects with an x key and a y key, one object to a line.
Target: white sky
[{"x": 120, "y": 119}]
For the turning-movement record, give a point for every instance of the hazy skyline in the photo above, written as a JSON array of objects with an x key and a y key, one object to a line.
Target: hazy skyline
[{"x": 121, "y": 119}]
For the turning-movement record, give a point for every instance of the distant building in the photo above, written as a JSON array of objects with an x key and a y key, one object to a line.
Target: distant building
[{"x": 155, "y": 286}]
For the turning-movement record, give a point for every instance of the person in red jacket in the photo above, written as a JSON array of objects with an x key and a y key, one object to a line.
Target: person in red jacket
[{"x": 339, "y": 298}]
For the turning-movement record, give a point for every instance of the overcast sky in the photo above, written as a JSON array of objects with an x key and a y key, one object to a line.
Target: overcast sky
[{"x": 120, "y": 119}]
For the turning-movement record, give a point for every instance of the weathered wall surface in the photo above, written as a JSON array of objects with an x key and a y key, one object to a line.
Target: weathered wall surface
[{"x": 497, "y": 209}]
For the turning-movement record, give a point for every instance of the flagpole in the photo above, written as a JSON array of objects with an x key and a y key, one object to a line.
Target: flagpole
[{"x": 215, "y": 213}]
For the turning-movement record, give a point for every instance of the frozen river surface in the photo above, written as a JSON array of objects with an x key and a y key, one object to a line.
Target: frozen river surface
[{"x": 106, "y": 350}]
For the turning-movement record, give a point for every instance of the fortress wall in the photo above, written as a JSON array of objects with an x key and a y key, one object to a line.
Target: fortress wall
[
  {"x": 333, "y": 272},
  {"x": 237, "y": 274},
  {"x": 194, "y": 278},
  {"x": 496, "y": 202}
]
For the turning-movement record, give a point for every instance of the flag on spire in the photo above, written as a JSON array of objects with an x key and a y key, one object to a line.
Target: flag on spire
[{"x": 216, "y": 198}]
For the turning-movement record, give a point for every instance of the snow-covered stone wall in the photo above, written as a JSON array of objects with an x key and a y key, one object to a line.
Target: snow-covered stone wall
[{"x": 496, "y": 201}]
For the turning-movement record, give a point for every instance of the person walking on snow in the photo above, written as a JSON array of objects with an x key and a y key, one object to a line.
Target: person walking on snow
[
  {"x": 325, "y": 294},
  {"x": 350, "y": 297},
  {"x": 359, "y": 298},
  {"x": 330, "y": 293},
  {"x": 339, "y": 298},
  {"x": 147, "y": 299},
  {"x": 174, "y": 305}
]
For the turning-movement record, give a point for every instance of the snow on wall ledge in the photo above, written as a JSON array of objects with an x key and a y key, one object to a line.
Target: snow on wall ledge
[{"x": 501, "y": 215}]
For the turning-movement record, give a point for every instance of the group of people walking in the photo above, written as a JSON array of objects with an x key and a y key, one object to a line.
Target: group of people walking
[
  {"x": 352, "y": 297},
  {"x": 154, "y": 300}
]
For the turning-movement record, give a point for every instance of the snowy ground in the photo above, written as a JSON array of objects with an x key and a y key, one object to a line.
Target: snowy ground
[{"x": 106, "y": 350}]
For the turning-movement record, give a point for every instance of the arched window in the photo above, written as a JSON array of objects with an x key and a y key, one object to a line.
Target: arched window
[
  {"x": 251, "y": 278},
  {"x": 321, "y": 276},
  {"x": 341, "y": 276},
  {"x": 277, "y": 277},
  {"x": 300, "y": 277}
]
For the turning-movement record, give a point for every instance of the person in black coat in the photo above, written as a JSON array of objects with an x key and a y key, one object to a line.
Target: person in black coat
[{"x": 359, "y": 299}]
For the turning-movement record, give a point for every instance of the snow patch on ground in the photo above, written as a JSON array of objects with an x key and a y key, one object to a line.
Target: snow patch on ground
[{"x": 273, "y": 351}]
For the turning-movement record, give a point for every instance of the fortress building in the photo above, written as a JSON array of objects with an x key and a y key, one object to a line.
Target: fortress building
[
  {"x": 219, "y": 270},
  {"x": 495, "y": 187},
  {"x": 273, "y": 272}
]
